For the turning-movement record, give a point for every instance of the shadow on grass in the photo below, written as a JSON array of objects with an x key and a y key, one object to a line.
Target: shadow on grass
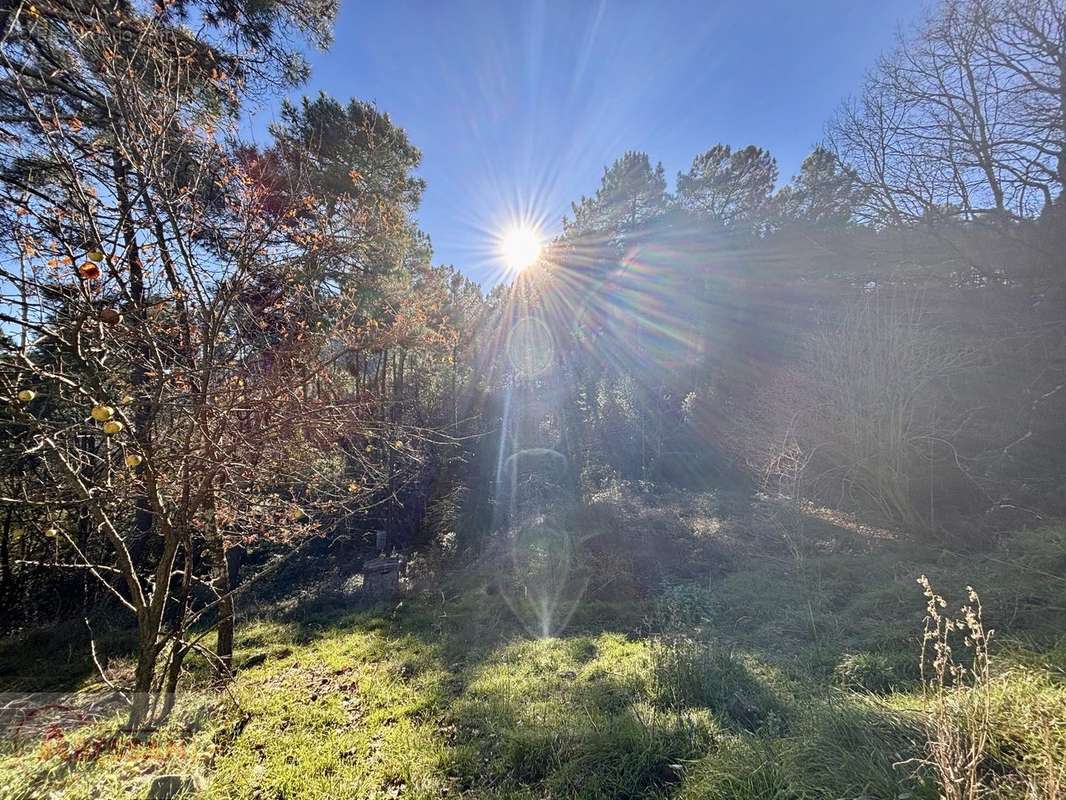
[
  {"x": 837, "y": 749},
  {"x": 458, "y": 688},
  {"x": 58, "y": 658},
  {"x": 573, "y": 717}
]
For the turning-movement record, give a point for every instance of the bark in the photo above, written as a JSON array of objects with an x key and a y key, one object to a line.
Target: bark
[
  {"x": 7, "y": 588},
  {"x": 226, "y": 610},
  {"x": 139, "y": 720},
  {"x": 220, "y": 583}
]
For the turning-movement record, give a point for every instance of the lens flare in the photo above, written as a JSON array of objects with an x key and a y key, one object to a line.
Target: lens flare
[{"x": 520, "y": 247}]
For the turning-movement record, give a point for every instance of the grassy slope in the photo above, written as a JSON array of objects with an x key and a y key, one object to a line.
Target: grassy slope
[{"x": 781, "y": 679}]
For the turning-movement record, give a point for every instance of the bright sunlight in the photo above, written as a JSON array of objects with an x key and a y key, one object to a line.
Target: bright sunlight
[
  {"x": 572, "y": 400},
  {"x": 520, "y": 247}
]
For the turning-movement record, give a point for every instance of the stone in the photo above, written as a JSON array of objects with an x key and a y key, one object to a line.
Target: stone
[
  {"x": 381, "y": 577},
  {"x": 167, "y": 787},
  {"x": 254, "y": 660}
]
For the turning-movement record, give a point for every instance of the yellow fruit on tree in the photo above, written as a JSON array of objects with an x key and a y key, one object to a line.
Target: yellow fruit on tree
[
  {"x": 102, "y": 413},
  {"x": 95, "y": 255},
  {"x": 112, "y": 427},
  {"x": 133, "y": 460},
  {"x": 26, "y": 395},
  {"x": 51, "y": 533}
]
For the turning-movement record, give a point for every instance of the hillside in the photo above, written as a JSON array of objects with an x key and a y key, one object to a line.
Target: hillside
[
  {"x": 782, "y": 672},
  {"x": 536, "y": 400}
]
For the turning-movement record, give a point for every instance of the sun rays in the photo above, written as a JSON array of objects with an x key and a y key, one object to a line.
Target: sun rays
[{"x": 520, "y": 246}]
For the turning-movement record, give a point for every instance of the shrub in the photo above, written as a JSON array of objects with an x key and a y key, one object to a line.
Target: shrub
[{"x": 879, "y": 371}]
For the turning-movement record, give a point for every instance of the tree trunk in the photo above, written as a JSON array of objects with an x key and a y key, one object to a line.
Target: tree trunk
[
  {"x": 221, "y": 584},
  {"x": 7, "y": 589},
  {"x": 179, "y": 648},
  {"x": 143, "y": 676},
  {"x": 226, "y": 613}
]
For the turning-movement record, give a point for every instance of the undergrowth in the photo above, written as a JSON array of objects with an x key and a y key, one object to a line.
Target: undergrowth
[{"x": 782, "y": 678}]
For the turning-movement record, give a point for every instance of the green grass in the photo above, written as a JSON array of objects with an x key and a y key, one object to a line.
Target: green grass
[
  {"x": 352, "y": 712},
  {"x": 778, "y": 680}
]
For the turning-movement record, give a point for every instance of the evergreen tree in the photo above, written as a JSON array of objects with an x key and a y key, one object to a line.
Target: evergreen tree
[
  {"x": 631, "y": 194},
  {"x": 727, "y": 187}
]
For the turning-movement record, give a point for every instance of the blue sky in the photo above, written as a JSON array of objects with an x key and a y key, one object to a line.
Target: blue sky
[{"x": 518, "y": 106}]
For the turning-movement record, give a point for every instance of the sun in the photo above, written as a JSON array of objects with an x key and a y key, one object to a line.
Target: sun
[{"x": 520, "y": 247}]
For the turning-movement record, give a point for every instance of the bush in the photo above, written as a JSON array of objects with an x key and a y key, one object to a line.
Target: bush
[{"x": 881, "y": 373}]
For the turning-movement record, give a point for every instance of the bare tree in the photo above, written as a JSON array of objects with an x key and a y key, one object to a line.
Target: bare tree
[
  {"x": 963, "y": 121},
  {"x": 874, "y": 425},
  {"x": 178, "y": 321}
]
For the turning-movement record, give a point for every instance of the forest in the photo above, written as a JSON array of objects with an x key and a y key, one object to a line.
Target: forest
[{"x": 741, "y": 485}]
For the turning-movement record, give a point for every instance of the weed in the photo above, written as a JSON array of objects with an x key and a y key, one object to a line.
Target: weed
[
  {"x": 959, "y": 715},
  {"x": 990, "y": 734}
]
